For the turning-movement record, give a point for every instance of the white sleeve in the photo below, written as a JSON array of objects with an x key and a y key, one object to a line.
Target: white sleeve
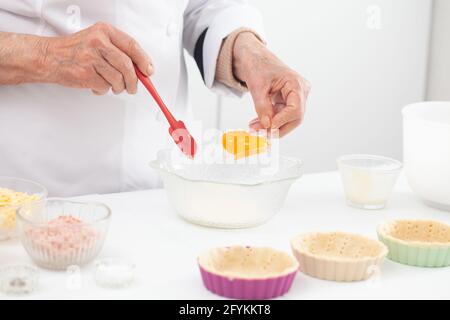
[{"x": 220, "y": 18}]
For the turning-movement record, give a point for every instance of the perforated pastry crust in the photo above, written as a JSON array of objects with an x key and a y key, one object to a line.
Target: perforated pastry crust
[
  {"x": 338, "y": 256},
  {"x": 247, "y": 262},
  {"x": 338, "y": 246},
  {"x": 417, "y": 232}
]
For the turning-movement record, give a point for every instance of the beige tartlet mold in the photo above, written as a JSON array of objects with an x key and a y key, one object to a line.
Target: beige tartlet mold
[{"x": 338, "y": 256}]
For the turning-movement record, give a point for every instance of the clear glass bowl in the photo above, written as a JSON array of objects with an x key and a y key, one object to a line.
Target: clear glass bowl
[
  {"x": 59, "y": 233},
  {"x": 8, "y": 212},
  {"x": 368, "y": 180},
  {"x": 226, "y": 195}
]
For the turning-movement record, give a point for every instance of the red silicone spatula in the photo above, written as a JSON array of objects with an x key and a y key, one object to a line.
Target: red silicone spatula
[{"x": 177, "y": 129}]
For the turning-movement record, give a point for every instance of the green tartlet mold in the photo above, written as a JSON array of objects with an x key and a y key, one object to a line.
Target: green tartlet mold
[{"x": 421, "y": 243}]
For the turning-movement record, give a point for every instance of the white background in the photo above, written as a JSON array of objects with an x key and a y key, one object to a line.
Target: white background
[
  {"x": 439, "y": 67},
  {"x": 361, "y": 76}
]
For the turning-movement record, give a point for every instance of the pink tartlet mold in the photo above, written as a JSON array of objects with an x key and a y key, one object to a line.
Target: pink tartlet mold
[{"x": 247, "y": 272}]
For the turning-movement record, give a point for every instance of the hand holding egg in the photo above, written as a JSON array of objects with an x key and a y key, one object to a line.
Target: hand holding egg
[{"x": 279, "y": 93}]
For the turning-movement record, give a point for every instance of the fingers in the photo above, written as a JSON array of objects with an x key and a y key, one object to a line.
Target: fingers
[
  {"x": 295, "y": 93},
  {"x": 288, "y": 127},
  {"x": 292, "y": 110},
  {"x": 255, "y": 125},
  {"x": 255, "y": 122},
  {"x": 99, "y": 86},
  {"x": 264, "y": 108},
  {"x": 99, "y": 58},
  {"x": 121, "y": 62},
  {"x": 131, "y": 48},
  {"x": 288, "y": 103},
  {"x": 111, "y": 75},
  {"x": 99, "y": 93}
]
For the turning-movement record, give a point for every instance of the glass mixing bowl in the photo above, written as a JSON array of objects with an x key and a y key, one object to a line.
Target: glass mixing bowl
[
  {"x": 10, "y": 203},
  {"x": 228, "y": 195},
  {"x": 59, "y": 233}
]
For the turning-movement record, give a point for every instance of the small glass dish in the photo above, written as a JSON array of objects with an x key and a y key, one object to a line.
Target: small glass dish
[
  {"x": 368, "y": 180},
  {"x": 114, "y": 273},
  {"x": 18, "y": 279},
  {"x": 60, "y": 233},
  {"x": 15, "y": 192}
]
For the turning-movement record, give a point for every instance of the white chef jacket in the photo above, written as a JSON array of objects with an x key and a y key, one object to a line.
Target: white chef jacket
[{"x": 74, "y": 142}]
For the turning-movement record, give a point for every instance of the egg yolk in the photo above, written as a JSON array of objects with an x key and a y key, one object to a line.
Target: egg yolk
[{"x": 242, "y": 144}]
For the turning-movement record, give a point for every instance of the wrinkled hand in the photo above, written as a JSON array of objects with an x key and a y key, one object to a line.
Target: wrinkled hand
[
  {"x": 97, "y": 58},
  {"x": 279, "y": 93}
]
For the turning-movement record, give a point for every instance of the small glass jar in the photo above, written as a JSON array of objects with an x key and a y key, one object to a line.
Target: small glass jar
[
  {"x": 368, "y": 180},
  {"x": 18, "y": 279},
  {"x": 114, "y": 273}
]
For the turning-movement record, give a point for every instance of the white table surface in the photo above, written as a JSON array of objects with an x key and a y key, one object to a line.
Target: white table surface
[{"x": 164, "y": 248}]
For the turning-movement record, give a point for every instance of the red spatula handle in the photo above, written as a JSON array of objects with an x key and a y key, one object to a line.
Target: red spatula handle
[
  {"x": 151, "y": 88},
  {"x": 177, "y": 129}
]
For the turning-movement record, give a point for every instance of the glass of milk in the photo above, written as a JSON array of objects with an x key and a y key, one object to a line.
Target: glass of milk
[{"x": 368, "y": 180}]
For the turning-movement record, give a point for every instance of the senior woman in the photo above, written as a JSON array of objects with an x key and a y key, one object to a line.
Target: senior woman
[{"x": 71, "y": 116}]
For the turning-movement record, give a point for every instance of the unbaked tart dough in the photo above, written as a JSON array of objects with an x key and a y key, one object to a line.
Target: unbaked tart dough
[
  {"x": 338, "y": 256},
  {"x": 247, "y": 262},
  {"x": 419, "y": 232},
  {"x": 420, "y": 243}
]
